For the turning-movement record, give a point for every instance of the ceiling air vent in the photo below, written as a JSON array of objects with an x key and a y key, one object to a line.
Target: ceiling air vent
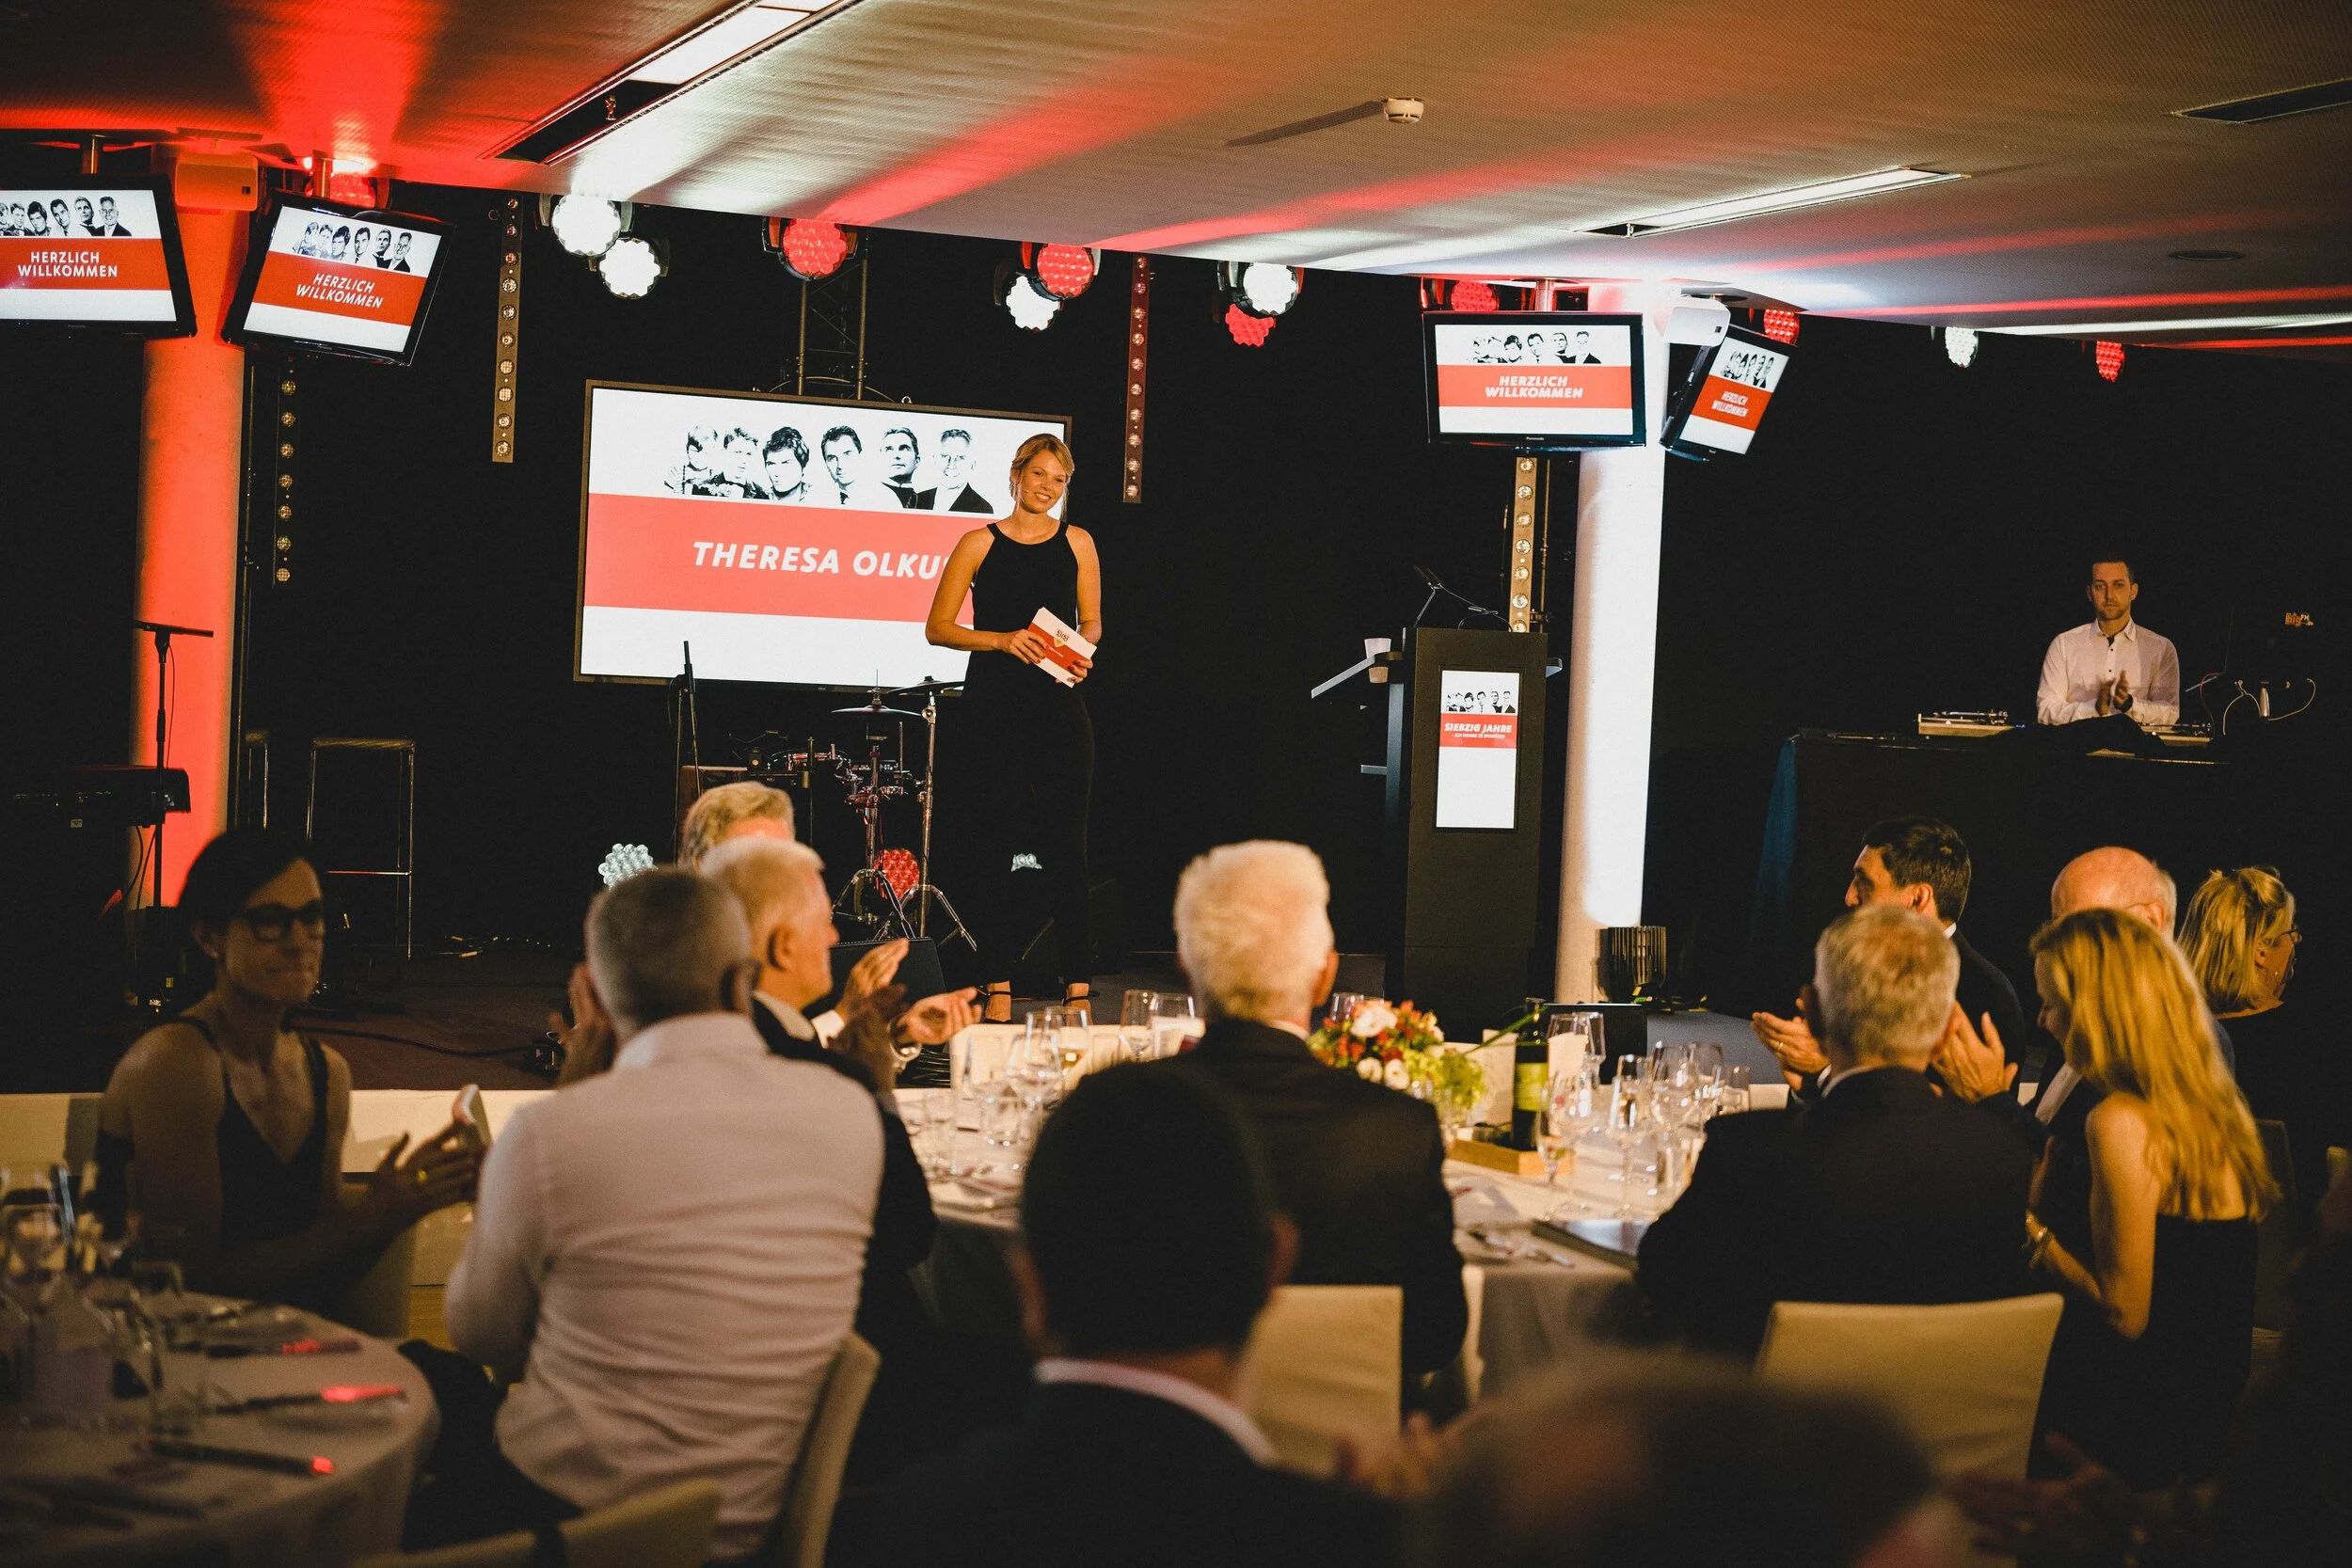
[{"x": 2275, "y": 105}]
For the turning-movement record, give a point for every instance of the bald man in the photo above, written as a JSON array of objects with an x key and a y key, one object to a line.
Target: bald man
[{"x": 2113, "y": 878}]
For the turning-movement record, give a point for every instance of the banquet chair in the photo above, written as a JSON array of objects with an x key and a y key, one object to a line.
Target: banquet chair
[
  {"x": 511, "y": 1550},
  {"x": 377, "y": 1301},
  {"x": 1325, "y": 1363},
  {"x": 1964, "y": 1377},
  {"x": 798, "y": 1537},
  {"x": 666, "y": 1527}
]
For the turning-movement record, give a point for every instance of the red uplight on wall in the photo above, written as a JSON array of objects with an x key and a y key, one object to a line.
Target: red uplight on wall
[
  {"x": 1061, "y": 270},
  {"x": 1781, "y": 325},
  {"x": 1471, "y": 294},
  {"x": 2109, "y": 358},
  {"x": 812, "y": 247},
  {"x": 1249, "y": 331}
]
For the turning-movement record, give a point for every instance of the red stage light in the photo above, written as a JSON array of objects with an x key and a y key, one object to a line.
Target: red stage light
[
  {"x": 1471, "y": 294},
  {"x": 1248, "y": 331},
  {"x": 815, "y": 249},
  {"x": 899, "y": 870},
  {"x": 1065, "y": 270},
  {"x": 1781, "y": 325},
  {"x": 2109, "y": 358}
]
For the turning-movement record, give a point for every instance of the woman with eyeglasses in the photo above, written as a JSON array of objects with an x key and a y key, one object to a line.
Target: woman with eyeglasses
[
  {"x": 2240, "y": 934},
  {"x": 224, "y": 1128}
]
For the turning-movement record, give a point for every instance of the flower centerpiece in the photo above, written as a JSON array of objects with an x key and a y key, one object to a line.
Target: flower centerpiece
[{"x": 1401, "y": 1046}]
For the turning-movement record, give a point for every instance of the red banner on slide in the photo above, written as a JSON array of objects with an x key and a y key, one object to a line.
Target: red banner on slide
[
  {"x": 364, "y": 293},
  {"x": 70, "y": 263},
  {"x": 1731, "y": 402},
  {"x": 1483, "y": 731},
  {"x": 1606, "y": 387},
  {"x": 759, "y": 558}
]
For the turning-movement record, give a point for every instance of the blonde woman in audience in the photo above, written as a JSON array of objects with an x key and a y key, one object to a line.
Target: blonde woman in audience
[
  {"x": 2160, "y": 1276},
  {"x": 2242, "y": 941}
]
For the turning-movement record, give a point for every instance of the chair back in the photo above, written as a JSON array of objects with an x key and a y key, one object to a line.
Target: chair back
[
  {"x": 1965, "y": 1377},
  {"x": 666, "y": 1527},
  {"x": 2279, "y": 1236},
  {"x": 511, "y": 1550},
  {"x": 377, "y": 1302},
  {"x": 807, "y": 1519},
  {"x": 1326, "y": 1362}
]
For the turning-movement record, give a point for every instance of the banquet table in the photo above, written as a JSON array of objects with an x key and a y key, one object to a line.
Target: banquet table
[
  {"x": 247, "y": 1518},
  {"x": 1533, "y": 1303}
]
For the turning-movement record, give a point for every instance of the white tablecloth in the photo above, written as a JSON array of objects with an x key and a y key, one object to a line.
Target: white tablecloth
[{"x": 260, "y": 1519}]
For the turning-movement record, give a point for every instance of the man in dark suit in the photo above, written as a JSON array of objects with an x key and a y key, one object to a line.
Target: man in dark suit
[
  {"x": 900, "y": 457},
  {"x": 955, "y": 492},
  {"x": 1358, "y": 1167},
  {"x": 1883, "y": 1190},
  {"x": 1150, "y": 1248},
  {"x": 1917, "y": 864},
  {"x": 781, "y": 886}
]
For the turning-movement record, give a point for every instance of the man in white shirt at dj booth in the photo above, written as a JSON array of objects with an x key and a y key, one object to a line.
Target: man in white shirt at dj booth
[{"x": 2112, "y": 664}]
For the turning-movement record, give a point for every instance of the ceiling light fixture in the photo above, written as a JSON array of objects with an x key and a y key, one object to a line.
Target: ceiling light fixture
[
  {"x": 1960, "y": 344},
  {"x": 1060, "y": 271},
  {"x": 1473, "y": 294},
  {"x": 1249, "y": 331},
  {"x": 723, "y": 41},
  {"x": 1781, "y": 325},
  {"x": 587, "y": 225},
  {"x": 2178, "y": 324},
  {"x": 2108, "y": 356},
  {"x": 2208, "y": 255},
  {"x": 1787, "y": 201},
  {"x": 2275, "y": 105},
  {"x": 812, "y": 249},
  {"x": 1265, "y": 288},
  {"x": 1030, "y": 307},
  {"x": 631, "y": 267}
]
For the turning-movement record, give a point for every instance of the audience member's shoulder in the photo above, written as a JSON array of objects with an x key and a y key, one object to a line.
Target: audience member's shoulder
[{"x": 174, "y": 1056}]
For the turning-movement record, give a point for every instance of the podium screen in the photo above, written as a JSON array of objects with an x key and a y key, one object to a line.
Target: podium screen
[
  {"x": 1555, "y": 379},
  {"x": 1723, "y": 400},
  {"x": 339, "y": 279},
  {"x": 792, "y": 540},
  {"x": 1478, "y": 748},
  {"x": 90, "y": 250}
]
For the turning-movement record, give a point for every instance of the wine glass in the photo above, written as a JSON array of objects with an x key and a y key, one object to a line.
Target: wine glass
[
  {"x": 1171, "y": 1021},
  {"x": 1571, "y": 1109},
  {"x": 1134, "y": 1024},
  {"x": 1735, "y": 1093},
  {"x": 1628, "y": 1098},
  {"x": 1707, "y": 1061},
  {"x": 1072, "y": 1035},
  {"x": 1341, "y": 1009}
]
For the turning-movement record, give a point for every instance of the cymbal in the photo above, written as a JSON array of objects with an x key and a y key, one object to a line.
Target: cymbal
[
  {"x": 878, "y": 714},
  {"x": 928, "y": 685}
]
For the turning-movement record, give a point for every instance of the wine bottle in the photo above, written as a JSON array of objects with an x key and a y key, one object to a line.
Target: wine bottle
[{"x": 1531, "y": 1075}]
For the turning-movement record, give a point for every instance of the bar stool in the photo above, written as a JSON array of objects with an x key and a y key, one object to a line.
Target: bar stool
[{"x": 404, "y": 864}]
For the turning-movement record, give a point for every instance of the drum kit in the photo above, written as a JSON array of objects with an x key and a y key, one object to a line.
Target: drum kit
[{"x": 891, "y": 895}]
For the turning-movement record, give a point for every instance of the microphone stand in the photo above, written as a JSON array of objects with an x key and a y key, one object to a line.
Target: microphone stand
[
  {"x": 163, "y": 634},
  {"x": 1439, "y": 590},
  {"x": 686, "y": 740}
]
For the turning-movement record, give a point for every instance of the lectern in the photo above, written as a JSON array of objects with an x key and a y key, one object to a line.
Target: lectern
[{"x": 1464, "y": 774}]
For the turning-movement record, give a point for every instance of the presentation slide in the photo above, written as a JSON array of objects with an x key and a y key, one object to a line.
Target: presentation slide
[
  {"x": 1478, "y": 748},
  {"x": 787, "y": 540},
  {"x": 85, "y": 254},
  {"x": 333, "y": 278},
  {"x": 1739, "y": 382},
  {"x": 1534, "y": 376}
]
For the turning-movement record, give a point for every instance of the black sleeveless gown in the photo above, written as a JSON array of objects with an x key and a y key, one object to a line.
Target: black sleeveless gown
[{"x": 1033, "y": 756}]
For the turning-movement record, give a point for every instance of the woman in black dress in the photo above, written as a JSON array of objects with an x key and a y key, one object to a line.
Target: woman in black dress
[
  {"x": 1035, "y": 756},
  {"x": 2154, "y": 1346}
]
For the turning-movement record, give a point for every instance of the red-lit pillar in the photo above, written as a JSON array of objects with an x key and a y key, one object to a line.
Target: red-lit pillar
[{"x": 191, "y": 441}]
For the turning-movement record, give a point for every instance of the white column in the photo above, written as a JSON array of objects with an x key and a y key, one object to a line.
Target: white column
[{"x": 1612, "y": 661}]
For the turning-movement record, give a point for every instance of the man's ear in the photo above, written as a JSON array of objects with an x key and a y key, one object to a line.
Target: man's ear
[
  {"x": 736, "y": 990},
  {"x": 1921, "y": 900},
  {"x": 1031, "y": 1291}
]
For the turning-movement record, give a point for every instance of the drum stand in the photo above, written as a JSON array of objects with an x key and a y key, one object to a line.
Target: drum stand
[
  {"x": 924, "y": 893},
  {"x": 891, "y": 920}
]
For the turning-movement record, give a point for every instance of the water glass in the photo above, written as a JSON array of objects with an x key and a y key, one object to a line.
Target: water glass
[
  {"x": 1171, "y": 1021},
  {"x": 1135, "y": 1025},
  {"x": 1626, "y": 1113},
  {"x": 1571, "y": 1109},
  {"x": 1571, "y": 1035},
  {"x": 1341, "y": 1009},
  {"x": 1707, "y": 1061},
  {"x": 1735, "y": 1095}
]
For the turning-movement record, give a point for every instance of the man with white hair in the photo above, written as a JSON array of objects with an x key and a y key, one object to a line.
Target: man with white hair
[
  {"x": 668, "y": 1254},
  {"x": 1357, "y": 1165},
  {"x": 1880, "y": 1191}
]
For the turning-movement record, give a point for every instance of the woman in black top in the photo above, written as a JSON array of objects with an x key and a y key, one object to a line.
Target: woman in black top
[
  {"x": 1035, "y": 754},
  {"x": 224, "y": 1128}
]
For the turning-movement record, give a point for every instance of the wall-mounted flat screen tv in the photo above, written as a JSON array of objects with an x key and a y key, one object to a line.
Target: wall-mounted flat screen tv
[
  {"x": 337, "y": 280},
  {"x": 1544, "y": 380},
  {"x": 88, "y": 250},
  {"x": 1723, "y": 398}
]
